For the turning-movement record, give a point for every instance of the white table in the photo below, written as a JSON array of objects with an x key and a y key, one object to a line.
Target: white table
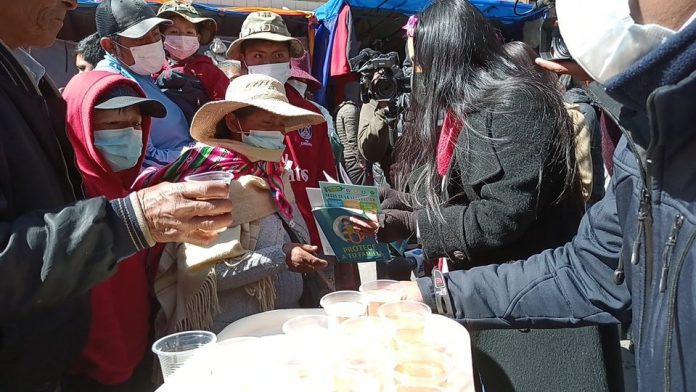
[{"x": 263, "y": 324}]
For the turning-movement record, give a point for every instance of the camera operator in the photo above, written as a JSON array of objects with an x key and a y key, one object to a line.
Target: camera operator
[{"x": 386, "y": 96}]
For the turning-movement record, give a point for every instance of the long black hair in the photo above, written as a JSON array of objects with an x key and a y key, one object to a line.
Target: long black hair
[{"x": 460, "y": 67}]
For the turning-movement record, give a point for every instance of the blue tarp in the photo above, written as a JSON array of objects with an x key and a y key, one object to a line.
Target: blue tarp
[{"x": 493, "y": 9}]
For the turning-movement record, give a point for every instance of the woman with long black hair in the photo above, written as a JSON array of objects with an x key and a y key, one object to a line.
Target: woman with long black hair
[
  {"x": 490, "y": 168},
  {"x": 489, "y": 158}
]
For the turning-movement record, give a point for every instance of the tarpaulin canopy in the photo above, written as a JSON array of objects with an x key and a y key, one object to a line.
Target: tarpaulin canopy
[
  {"x": 503, "y": 11},
  {"x": 80, "y": 23},
  {"x": 59, "y": 59}
]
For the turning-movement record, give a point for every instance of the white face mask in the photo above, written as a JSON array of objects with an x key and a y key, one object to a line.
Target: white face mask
[
  {"x": 614, "y": 43},
  {"x": 148, "y": 58},
  {"x": 301, "y": 87},
  {"x": 181, "y": 47},
  {"x": 279, "y": 71}
]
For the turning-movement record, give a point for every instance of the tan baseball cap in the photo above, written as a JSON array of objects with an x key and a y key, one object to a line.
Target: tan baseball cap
[{"x": 264, "y": 25}]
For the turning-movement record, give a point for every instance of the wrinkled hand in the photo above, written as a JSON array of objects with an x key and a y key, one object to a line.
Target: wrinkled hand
[
  {"x": 564, "y": 67},
  {"x": 302, "y": 258},
  {"x": 394, "y": 200},
  {"x": 186, "y": 212}
]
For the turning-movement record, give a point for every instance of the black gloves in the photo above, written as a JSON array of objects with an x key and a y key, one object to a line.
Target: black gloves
[
  {"x": 395, "y": 225},
  {"x": 395, "y": 200}
]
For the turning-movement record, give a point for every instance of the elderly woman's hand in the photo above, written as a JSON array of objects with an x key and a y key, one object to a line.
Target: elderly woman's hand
[
  {"x": 186, "y": 212},
  {"x": 302, "y": 258}
]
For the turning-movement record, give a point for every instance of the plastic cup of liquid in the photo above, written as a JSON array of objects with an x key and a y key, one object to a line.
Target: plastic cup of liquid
[
  {"x": 225, "y": 176},
  {"x": 175, "y": 350},
  {"x": 379, "y": 292},
  {"x": 311, "y": 325},
  {"x": 421, "y": 366},
  {"x": 210, "y": 176},
  {"x": 369, "y": 331},
  {"x": 343, "y": 305},
  {"x": 409, "y": 318}
]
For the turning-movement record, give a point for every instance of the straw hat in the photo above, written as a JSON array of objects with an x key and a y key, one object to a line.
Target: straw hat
[
  {"x": 268, "y": 26},
  {"x": 261, "y": 91},
  {"x": 207, "y": 27}
]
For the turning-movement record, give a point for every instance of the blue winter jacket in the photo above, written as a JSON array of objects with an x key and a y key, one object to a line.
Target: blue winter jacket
[{"x": 634, "y": 256}]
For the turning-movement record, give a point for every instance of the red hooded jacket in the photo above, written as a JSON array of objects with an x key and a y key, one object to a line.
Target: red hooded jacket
[{"x": 120, "y": 323}]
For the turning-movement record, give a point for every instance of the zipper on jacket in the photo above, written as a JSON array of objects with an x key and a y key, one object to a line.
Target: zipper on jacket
[
  {"x": 619, "y": 274},
  {"x": 669, "y": 250},
  {"x": 671, "y": 306},
  {"x": 642, "y": 216}
]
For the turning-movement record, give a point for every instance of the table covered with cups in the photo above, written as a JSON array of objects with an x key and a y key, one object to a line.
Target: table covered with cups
[{"x": 368, "y": 340}]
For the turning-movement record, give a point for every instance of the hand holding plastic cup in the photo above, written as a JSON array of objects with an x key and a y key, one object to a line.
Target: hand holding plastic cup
[
  {"x": 224, "y": 176},
  {"x": 210, "y": 176},
  {"x": 174, "y": 350}
]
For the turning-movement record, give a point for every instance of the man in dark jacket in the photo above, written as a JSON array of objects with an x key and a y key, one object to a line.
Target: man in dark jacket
[
  {"x": 54, "y": 248},
  {"x": 634, "y": 256}
]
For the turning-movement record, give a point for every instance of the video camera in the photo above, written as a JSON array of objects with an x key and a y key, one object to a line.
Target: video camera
[
  {"x": 551, "y": 44},
  {"x": 391, "y": 83}
]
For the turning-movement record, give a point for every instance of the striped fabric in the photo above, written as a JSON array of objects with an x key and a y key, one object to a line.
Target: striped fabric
[{"x": 202, "y": 159}]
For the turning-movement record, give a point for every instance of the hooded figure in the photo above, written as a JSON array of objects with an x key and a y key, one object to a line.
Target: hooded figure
[{"x": 109, "y": 160}]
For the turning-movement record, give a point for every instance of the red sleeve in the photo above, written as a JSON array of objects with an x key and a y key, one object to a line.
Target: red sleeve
[{"x": 214, "y": 81}]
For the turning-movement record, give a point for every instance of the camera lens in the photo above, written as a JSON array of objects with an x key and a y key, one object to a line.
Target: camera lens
[{"x": 384, "y": 88}]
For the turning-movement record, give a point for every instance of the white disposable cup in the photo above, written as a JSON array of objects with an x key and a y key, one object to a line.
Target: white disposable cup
[
  {"x": 380, "y": 292},
  {"x": 174, "y": 350},
  {"x": 306, "y": 325},
  {"x": 225, "y": 176},
  {"x": 343, "y": 305},
  {"x": 210, "y": 176}
]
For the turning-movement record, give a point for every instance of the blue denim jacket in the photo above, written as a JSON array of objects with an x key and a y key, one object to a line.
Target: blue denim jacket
[
  {"x": 634, "y": 256},
  {"x": 168, "y": 135}
]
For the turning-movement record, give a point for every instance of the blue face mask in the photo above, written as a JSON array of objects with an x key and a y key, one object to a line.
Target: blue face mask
[
  {"x": 120, "y": 147},
  {"x": 272, "y": 140}
]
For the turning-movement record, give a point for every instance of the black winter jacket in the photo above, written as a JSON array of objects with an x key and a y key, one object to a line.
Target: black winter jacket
[
  {"x": 499, "y": 207},
  {"x": 53, "y": 249}
]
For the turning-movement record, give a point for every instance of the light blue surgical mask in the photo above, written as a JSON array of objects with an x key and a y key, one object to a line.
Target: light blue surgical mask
[
  {"x": 120, "y": 147},
  {"x": 272, "y": 140}
]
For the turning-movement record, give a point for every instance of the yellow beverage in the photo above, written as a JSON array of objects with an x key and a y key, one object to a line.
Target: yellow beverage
[
  {"x": 342, "y": 311},
  {"x": 380, "y": 297},
  {"x": 358, "y": 375},
  {"x": 421, "y": 371},
  {"x": 410, "y": 328}
]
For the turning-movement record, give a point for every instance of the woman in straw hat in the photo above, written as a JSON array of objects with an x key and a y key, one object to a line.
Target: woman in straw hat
[
  {"x": 190, "y": 79},
  {"x": 257, "y": 264}
]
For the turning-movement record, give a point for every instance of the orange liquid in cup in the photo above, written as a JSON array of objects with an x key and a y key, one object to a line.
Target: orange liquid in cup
[
  {"x": 421, "y": 371},
  {"x": 378, "y": 298},
  {"x": 410, "y": 328}
]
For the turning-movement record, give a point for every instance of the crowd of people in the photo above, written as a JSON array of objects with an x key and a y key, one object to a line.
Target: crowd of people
[{"x": 544, "y": 194}]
